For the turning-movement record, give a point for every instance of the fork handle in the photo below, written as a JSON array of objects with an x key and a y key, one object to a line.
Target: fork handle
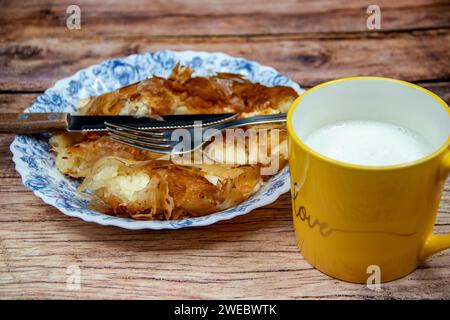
[
  {"x": 272, "y": 118},
  {"x": 33, "y": 122}
]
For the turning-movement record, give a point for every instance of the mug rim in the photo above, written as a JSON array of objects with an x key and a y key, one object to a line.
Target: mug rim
[{"x": 303, "y": 145}]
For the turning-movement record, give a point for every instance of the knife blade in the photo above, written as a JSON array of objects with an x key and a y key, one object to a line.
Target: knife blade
[
  {"x": 171, "y": 121},
  {"x": 26, "y": 123}
]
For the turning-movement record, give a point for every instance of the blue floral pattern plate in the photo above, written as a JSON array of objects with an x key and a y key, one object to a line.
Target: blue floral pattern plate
[{"x": 35, "y": 161}]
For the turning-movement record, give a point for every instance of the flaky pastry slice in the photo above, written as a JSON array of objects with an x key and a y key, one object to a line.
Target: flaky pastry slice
[
  {"x": 129, "y": 182},
  {"x": 161, "y": 190}
]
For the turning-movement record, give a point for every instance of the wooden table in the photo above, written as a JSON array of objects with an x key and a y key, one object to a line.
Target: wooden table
[{"x": 253, "y": 256}]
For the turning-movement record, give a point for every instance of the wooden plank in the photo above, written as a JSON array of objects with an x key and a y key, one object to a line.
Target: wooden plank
[
  {"x": 16, "y": 102},
  {"x": 122, "y": 19},
  {"x": 35, "y": 64}
]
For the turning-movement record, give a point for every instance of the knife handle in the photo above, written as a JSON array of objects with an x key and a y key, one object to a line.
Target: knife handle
[{"x": 33, "y": 122}]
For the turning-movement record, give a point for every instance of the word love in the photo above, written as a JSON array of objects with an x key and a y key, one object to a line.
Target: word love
[
  {"x": 301, "y": 213},
  {"x": 324, "y": 229}
]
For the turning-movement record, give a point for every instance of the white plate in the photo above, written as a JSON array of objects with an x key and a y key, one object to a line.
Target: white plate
[{"x": 36, "y": 163}]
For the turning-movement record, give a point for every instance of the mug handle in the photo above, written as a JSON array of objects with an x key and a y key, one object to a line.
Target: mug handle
[{"x": 438, "y": 242}]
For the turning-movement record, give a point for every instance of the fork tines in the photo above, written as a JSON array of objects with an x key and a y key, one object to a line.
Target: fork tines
[
  {"x": 160, "y": 140},
  {"x": 152, "y": 140}
]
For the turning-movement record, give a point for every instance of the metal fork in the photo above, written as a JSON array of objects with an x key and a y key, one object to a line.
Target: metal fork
[{"x": 168, "y": 141}]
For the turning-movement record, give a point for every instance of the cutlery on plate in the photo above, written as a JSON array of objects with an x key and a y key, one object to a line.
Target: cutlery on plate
[
  {"x": 161, "y": 141},
  {"x": 26, "y": 123}
]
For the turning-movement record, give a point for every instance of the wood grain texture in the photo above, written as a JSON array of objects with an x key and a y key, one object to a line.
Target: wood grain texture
[
  {"x": 29, "y": 123},
  {"x": 35, "y": 64},
  {"x": 175, "y": 18},
  {"x": 16, "y": 101},
  {"x": 253, "y": 256}
]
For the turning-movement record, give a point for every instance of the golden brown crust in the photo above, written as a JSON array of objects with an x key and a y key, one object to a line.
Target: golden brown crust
[
  {"x": 162, "y": 190},
  {"x": 182, "y": 93},
  {"x": 76, "y": 160}
]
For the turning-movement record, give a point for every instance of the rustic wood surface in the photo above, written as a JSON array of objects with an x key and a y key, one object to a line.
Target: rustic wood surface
[{"x": 253, "y": 256}]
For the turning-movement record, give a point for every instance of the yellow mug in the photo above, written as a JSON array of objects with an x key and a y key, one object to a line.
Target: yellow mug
[{"x": 353, "y": 220}]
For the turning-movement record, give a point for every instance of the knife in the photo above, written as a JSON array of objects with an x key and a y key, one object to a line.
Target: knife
[{"x": 47, "y": 122}]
